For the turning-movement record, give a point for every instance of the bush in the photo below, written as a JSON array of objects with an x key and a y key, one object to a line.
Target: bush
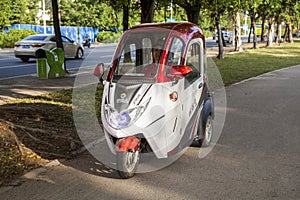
[
  {"x": 109, "y": 37},
  {"x": 8, "y": 40}
]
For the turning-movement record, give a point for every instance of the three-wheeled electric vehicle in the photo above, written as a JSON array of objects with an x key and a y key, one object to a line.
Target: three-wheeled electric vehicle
[{"x": 156, "y": 97}]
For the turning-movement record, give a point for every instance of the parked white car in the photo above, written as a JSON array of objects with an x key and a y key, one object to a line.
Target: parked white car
[
  {"x": 26, "y": 48},
  {"x": 227, "y": 36}
]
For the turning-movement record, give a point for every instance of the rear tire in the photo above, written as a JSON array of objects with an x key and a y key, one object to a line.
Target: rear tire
[
  {"x": 25, "y": 59},
  {"x": 127, "y": 162},
  {"x": 79, "y": 53}
]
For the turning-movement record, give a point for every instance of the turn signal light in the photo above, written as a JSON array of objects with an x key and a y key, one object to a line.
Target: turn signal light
[{"x": 173, "y": 96}]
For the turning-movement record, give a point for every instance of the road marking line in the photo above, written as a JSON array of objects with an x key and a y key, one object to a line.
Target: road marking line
[{"x": 15, "y": 66}]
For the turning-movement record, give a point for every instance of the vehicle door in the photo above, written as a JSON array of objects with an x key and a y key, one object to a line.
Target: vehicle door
[
  {"x": 69, "y": 47},
  {"x": 192, "y": 89},
  {"x": 175, "y": 119}
]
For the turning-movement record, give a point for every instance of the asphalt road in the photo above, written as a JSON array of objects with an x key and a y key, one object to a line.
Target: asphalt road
[
  {"x": 12, "y": 67},
  {"x": 256, "y": 157}
]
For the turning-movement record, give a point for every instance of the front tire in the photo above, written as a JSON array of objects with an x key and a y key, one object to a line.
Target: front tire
[
  {"x": 208, "y": 131},
  {"x": 79, "y": 53},
  {"x": 127, "y": 162}
]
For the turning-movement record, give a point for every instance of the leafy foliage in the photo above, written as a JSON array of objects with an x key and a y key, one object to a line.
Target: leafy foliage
[
  {"x": 12, "y": 36},
  {"x": 18, "y": 11},
  {"x": 109, "y": 37},
  {"x": 85, "y": 13}
]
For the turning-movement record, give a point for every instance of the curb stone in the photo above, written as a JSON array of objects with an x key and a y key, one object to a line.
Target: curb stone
[{"x": 30, "y": 175}]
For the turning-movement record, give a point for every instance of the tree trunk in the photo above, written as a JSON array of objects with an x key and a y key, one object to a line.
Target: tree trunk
[
  {"x": 290, "y": 36},
  {"x": 250, "y": 32},
  {"x": 192, "y": 9},
  {"x": 262, "y": 38},
  {"x": 285, "y": 33},
  {"x": 59, "y": 43},
  {"x": 271, "y": 31},
  {"x": 237, "y": 32},
  {"x": 147, "y": 11},
  {"x": 125, "y": 15},
  {"x": 165, "y": 13},
  {"x": 220, "y": 44},
  {"x": 253, "y": 24},
  {"x": 193, "y": 14},
  {"x": 277, "y": 39}
]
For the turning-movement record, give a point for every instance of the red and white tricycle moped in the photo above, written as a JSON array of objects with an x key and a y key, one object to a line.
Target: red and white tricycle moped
[{"x": 156, "y": 97}]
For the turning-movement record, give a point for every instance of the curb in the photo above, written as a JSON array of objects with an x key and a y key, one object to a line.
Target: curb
[
  {"x": 6, "y": 50},
  {"x": 261, "y": 75},
  {"x": 35, "y": 172},
  {"x": 30, "y": 175}
]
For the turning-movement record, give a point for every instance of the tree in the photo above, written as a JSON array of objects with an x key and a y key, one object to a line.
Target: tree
[
  {"x": 216, "y": 9},
  {"x": 5, "y": 15},
  {"x": 17, "y": 12},
  {"x": 123, "y": 5},
  {"x": 235, "y": 8},
  {"x": 192, "y": 9},
  {"x": 59, "y": 43},
  {"x": 32, "y": 11},
  {"x": 147, "y": 10},
  {"x": 125, "y": 21},
  {"x": 237, "y": 31},
  {"x": 253, "y": 7},
  {"x": 291, "y": 10}
]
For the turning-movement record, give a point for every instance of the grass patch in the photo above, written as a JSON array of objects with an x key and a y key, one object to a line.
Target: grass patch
[{"x": 250, "y": 63}]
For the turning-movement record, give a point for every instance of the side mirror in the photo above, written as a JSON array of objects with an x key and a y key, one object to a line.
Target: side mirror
[
  {"x": 99, "y": 71},
  {"x": 180, "y": 70}
]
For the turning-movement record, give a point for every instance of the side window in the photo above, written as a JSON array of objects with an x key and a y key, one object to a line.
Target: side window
[
  {"x": 66, "y": 40},
  {"x": 52, "y": 39},
  {"x": 127, "y": 59},
  {"x": 147, "y": 53},
  {"x": 193, "y": 60},
  {"x": 175, "y": 52}
]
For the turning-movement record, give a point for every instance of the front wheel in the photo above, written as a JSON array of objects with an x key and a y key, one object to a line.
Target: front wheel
[
  {"x": 208, "y": 131},
  {"x": 127, "y": 162}
]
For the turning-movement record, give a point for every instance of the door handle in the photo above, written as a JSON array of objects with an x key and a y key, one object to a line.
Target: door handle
[{"x": 200, "y": 85}]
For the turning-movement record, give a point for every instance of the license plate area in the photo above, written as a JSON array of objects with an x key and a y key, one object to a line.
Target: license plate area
[{"x": 26, "y": 46}]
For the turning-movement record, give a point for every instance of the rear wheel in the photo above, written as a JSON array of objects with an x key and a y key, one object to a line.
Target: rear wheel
[
  {"x": 208, "y": 131},
  {"x": 25, "y": 59},
  {"x": 127, "y": 162},
  {"x": 79, "y": 53}
]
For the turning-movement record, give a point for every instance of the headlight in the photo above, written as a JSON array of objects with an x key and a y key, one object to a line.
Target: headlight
[{"x": 125, "y": 118}]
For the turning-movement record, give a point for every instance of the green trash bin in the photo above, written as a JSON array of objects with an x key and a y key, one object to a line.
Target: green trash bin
[{"x": 50, "y": 64}]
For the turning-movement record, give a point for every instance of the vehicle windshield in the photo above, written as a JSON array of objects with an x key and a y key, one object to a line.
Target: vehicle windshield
[
  {"x": 36, "y": 37},
  {"x": 140, "y": 55}
]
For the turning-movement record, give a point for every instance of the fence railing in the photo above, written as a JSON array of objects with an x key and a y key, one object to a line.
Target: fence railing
[{"x": 75, "y": 33}]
